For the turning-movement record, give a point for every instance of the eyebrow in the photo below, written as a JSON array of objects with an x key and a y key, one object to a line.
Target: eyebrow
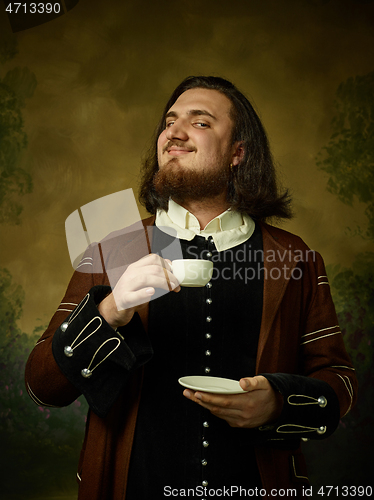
[{"x": 193, "y": 112}]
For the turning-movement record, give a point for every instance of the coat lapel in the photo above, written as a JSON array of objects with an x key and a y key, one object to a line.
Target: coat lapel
[{"x": 279, "y": 263}]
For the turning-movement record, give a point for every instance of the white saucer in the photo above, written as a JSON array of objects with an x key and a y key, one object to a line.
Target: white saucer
[{"x": 215, "y": 385}]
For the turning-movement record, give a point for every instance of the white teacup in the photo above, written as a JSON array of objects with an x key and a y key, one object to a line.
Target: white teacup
[{"x": 192, "y": 272}]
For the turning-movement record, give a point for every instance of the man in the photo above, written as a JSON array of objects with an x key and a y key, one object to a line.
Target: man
[{"x": 266, "y": 318}]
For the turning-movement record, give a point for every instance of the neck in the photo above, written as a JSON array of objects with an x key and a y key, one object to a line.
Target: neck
[{"x": 205, "y": 210}]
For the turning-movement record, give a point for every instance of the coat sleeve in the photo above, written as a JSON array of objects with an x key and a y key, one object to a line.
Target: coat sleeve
[
  {"x": 325, "y": 387},
  {"x": 80, "y": 353}
]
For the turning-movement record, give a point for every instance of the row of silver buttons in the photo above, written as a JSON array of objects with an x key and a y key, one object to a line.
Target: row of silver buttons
[{"x": 207, "y": 353}]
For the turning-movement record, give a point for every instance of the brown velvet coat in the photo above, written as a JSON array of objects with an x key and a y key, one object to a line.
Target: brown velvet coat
[{"x": 292, "y": 308}]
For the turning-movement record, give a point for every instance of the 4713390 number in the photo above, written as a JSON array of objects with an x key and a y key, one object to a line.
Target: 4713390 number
[
  {"x": 345, "y": 491},
  {"x": 33, "y": 8}
]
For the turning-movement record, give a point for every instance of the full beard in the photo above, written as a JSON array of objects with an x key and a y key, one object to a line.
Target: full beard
[{"x": 182, "y": 184}]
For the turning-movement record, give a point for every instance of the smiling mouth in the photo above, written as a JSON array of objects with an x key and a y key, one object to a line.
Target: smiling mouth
[
  {"x": 177, "y": 151},
  {"x": 177, "y": 148}
]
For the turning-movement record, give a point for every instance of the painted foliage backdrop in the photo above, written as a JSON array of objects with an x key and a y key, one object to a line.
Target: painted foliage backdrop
[{"x": 79, "y": 98}]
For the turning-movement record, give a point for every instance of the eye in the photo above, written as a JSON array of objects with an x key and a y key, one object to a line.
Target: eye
[
  {"x": 168, "y": 124},
  {"x": 201, "y": 125}
]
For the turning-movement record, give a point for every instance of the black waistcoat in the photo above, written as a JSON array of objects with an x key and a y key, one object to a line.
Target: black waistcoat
[{"x": 199, "y": 331}]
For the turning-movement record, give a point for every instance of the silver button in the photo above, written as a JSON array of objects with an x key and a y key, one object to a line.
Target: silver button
[
  {"x": 208, "y": 335},
  {"x": 86, "y": 373},
  {"x": 207, "y": 352},
  {"x": 209, "y": 301},
  {"x": 207, "y": 369},
  {"x": 208, "y": 319},
  {"x": 205, "y": 483},
  {"x": 322, "y": 401},
  {"x": 205, "y": 444},
  {"x": 321, "y": 430},
  {"x": 204, "y": 462},
  {"x": 206, "y": 424},
  {"x": 68, "y": 351},
  {"x": 209, "y": 254},
  {"x": 64, "y": 326},
  {"x": 209, "y": 285}
]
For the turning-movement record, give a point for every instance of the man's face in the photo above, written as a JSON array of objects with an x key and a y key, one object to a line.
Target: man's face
[
  {"x": 195, "y": 149},
  {"x": 198, "y": 131}
]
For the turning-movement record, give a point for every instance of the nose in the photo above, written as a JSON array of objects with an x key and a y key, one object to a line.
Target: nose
[{"x": 177, "y": 130}]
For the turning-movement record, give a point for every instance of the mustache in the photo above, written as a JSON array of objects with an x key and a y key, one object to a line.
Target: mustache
[{"x": 178, "y": 144}]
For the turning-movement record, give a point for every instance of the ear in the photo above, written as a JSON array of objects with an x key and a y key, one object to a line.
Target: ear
[{"x": 238, "y": 153}]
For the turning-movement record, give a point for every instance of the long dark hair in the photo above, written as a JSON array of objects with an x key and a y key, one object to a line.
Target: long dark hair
[{"x": 253, "y": 188}]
